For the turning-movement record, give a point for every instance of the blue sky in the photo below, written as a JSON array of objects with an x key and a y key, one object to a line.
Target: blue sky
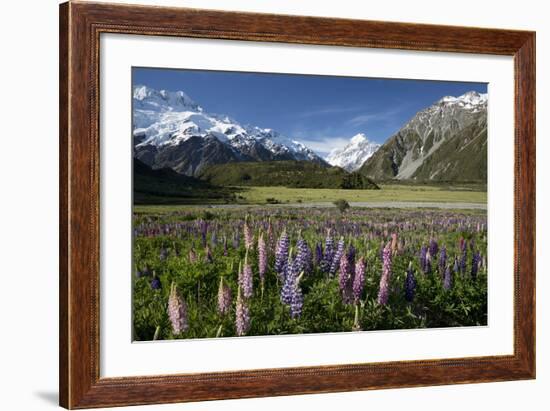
[{"x": 323, "y": 112}]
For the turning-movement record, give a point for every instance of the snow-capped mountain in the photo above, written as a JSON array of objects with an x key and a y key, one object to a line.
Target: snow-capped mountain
[
  {"x": 446, "y": 141},
  {"x": 171, "y": 130},
  {"x": 354, "y": 154}
]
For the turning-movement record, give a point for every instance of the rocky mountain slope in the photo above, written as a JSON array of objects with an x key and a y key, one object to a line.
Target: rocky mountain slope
[{"x": 444, "y": 142}]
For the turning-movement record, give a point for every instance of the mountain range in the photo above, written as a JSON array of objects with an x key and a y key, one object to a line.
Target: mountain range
[
  {"x": 172, "y": 131},
  {"x": 444, "y": 142}
]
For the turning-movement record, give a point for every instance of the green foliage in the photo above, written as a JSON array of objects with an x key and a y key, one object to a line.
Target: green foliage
[
  {"x": 342, "y": 205},
  {"x": 295, "y": 174},
  {"x": 168, "y": 187}
]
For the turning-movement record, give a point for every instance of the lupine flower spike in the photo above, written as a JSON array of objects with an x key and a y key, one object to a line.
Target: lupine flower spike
[
  {"x": 359, "y": 280},
  {"x": 262, "y": 260},
  {"x": 410, "y": 284},
  {"x": 384, "y": 290},
  {"x": 448, "y": 279},
  {"x": 155, "y": 282},
  {"x": 224, "y": 297},
  {"x": 242, "y": 315},
  {"x": 281, "y": 254},
  {"x": 248, "y": 236},
  {"x": 337, "y": 257},
  {"x": 245, "y": 278},
  {"x": 177, "y": 311},
  {"x": 442, "y": 260}
]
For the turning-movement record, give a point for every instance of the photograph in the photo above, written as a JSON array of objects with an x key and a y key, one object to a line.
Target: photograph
[{"x": 277, "y": 204}]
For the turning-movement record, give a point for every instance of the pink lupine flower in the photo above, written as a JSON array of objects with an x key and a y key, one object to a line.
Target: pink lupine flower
[
  {"x": 384, "y": 290},
  {"x": 177, "y": 311},
  {"x": 242, "y": 315},
  {"x": 245, "y": 278},
  {"x": 262, "y": 258},
  {"x": 359, "y": 280},
  {"x": 248, "y": 236},
  {"x": 224, "y": 297}
]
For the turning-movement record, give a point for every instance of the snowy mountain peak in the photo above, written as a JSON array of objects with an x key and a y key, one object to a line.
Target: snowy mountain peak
[
  {"x": 471, "y": 99},
  {"x": 354, "y": 154},
  {"x": 163, "y": 100},
  {"x": 358, "y": 139}
]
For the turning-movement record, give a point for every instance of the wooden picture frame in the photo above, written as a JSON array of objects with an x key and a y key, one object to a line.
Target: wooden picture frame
[{"x": 80, "y": 27}]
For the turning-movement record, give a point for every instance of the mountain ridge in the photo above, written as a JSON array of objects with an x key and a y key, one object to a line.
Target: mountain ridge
[{"x": 446, "y": 141}]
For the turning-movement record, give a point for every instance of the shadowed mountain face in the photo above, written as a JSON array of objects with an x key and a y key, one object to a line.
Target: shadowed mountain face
[{"x": 445, "y": 142}]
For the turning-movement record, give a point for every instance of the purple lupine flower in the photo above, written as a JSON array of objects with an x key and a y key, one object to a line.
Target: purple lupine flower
[
  {"x": 297, "y": 301},
  {"x": 326, "y": 263},
  {"x": 318, "y": 254},
  {"x": 476, "y": 259},
  {"x": 384, "y": 290},
  {"x": 224, "y": 297},
  {"x": 434, "y": 248},
  {"x": 303, "y": 256},
  {"x": 281, "y": 254},
  {"x": 359, "y": 280},
  {"x": 248, "y": 236},
  {"x": 143, "y": 273},
  {"x": 456, "y": 268},
  {"x": 289, "y": 284},
  {"x": 236, "y": 240},
  {"x": 442, "y": 260},
  {"x": 155, "y": 282},
  {"x": 347, "y": 275},
  {"x": 337, "y": 256},
  {"x": 410, "y": 284},
  {"x": 270, "y": 240},
  {"x": 262, "y": 258},
  {"x": 245, "y": 278},
  {"x": 177, "y": 311},
  {"x": 242, "y": 315},
  {"x": 448, "y": 279}
]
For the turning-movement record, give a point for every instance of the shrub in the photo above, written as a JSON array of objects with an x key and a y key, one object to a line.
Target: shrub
[{"x": 342, "y": 205}]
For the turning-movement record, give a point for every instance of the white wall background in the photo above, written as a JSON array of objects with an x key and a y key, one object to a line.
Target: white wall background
[{"x": 29, "y": 190}]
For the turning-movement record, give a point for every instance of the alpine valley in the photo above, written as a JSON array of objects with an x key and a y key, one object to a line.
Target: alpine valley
[{"x": 444, "y": 142}]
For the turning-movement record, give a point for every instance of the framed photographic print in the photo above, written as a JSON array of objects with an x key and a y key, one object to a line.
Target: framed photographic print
[{"x": 258, "y": 205}]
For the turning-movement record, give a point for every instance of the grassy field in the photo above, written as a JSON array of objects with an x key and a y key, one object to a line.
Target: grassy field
[
  {"x": 447, "y": 194},
  {"x": 390, "y": 193}
]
